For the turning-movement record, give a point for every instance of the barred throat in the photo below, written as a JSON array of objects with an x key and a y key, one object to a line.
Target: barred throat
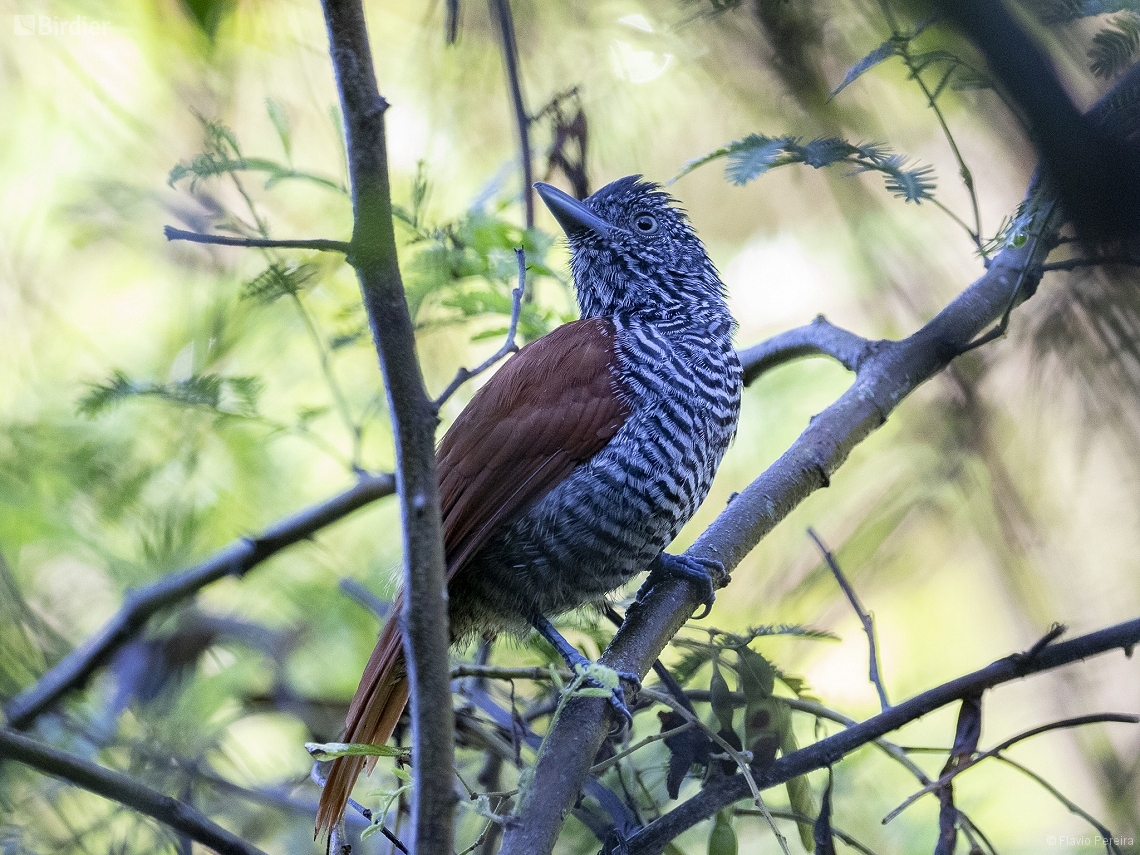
[{"x": 614, "y": 514}]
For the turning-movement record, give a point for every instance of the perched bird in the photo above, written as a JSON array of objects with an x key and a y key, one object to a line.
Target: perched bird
[{"x": 580, "y": 460}]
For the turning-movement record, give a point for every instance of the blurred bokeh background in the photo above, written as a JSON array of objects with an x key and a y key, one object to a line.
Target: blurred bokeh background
[{"x": 158, "y": 400}]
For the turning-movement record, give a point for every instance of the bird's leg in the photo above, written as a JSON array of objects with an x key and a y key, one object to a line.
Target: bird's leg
[
  {"x": 696, "y": 571},
  {"x": 578, "y": 663}
]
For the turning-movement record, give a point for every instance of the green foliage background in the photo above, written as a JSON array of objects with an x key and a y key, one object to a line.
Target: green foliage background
[{"x": 161, "y": 399}]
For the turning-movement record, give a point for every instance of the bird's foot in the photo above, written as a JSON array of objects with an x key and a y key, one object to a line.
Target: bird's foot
[
  {"x": 696, "y": 571},
  {"x": 603, "y": 682},
  {"x": 597, "y": 679}
]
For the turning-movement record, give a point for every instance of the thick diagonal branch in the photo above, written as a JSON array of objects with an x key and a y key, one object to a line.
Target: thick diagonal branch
[
  {"x": 654, "y": 837},
  {"x": 413, "y": 426},
  {"x": 887, "y": 373}
]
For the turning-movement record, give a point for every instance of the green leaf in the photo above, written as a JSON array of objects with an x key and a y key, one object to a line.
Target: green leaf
[
  {"x": 208, "y": 14},
  {"x": 385, "y": 804},
  {"x": 225, "y": 395},
  {"x": 757, "y": 676},
  {"x": 1114, "y": 47},
  {"x": 913, "y": 184},
  {"x": 332, "y": 750},
  {"x": 970, "y": 78},
  {"x": 883, "y": 52},
  {"x": 281, "y": 124},
  {"x": 824, "y": 152},
  {"x": 722, "y": 837},
  {"x": 720, "y": 697},
  {"x": 750, "y": 143},
  {"x": 277, "y": 281},
  {"x": 753, "y": 156},
  {"x": 799, "y": 789},
  {"x": 1063, "y": 11}
]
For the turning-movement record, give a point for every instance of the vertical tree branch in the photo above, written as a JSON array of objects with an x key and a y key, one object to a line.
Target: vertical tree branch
[
  {"x": 501, "y": 13},
  {"x": 413, "y": 424}
]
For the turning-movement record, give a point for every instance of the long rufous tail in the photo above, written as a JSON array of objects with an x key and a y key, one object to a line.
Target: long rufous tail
[{"x": 376, "y": 708}]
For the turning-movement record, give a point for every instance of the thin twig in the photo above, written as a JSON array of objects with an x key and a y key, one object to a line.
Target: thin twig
[
  {"x": 963, "y": 170},
  {"x": 864, "y": 617},
  {"x": 970, "y": 763},
  {"x": 782, "y": 813},
  {"x": 501, "y": 672},
  {"x": 319, "y": 244},
  {"x": 509, "y": 346},
  {"x": 324, "y": 358},
  {"x": 1073, "y": 807},
  {"x": 1096, "y": 261},
  {"x": 828, "y": 751},
  {"x": 743, "y": 759},
  {"x": 319, "y": 779},
  {"x": 140, "y": 605},
  {"x": 501, "y": 13},
  {"x": 598, "y": 768},
  {"x": 363, "y": 596},
  {"x": 1055, "y": 632},
  {"x": 1025, "y": 274},
  {"x": 122, "y": 789}
]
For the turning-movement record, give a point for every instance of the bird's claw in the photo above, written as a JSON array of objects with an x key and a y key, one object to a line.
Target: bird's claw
[
  {"x": 597, "y": 676},
  {"x": 696, "y": 571}
]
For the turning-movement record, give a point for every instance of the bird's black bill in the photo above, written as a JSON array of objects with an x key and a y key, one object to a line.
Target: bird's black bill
[{"x": 572, "y": 215}]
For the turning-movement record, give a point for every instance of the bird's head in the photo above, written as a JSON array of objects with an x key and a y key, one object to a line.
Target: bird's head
[{"x": 631, "y": 249}]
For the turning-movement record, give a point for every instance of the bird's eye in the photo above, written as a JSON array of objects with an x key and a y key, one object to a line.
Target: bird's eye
[{"x": 645, "y": 224}]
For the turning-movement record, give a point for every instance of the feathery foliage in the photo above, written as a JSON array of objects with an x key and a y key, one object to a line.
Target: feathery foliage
[
  {"x": 1114, "y": 47},
  {"x": 755, "y": 154}
]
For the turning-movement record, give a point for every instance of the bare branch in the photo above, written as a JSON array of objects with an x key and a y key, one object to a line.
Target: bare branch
[
  {"x": 1096, "y": 718},
  {"x": 501, "y": 672},
  {"x": 864, "y": 618},
  {"x": 414, "y": 419},
  {"x": 819, "y": 338},
  {"x": 509, "y": 346},
  {"x": 319, "y": 244},
  {"x": 783, "y": 813},
  {"x": 598, "y": 768},
  {"x": 1095, "y": 261},
  {"x": 1073, "y": 807},
  {"x": 830, "y": 750},
  {"x": 142, "y": 604},
  {"x": 124, "y": 790},
  {"x": 363, "y": 596},
  {"x": 501, "y": 14}
]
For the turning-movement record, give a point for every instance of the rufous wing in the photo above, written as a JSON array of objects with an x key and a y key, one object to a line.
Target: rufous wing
[{"x": 550, "y": 408}]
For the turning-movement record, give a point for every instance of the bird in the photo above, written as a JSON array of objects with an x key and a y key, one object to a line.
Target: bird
[{"x": 579, "y": 461}]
